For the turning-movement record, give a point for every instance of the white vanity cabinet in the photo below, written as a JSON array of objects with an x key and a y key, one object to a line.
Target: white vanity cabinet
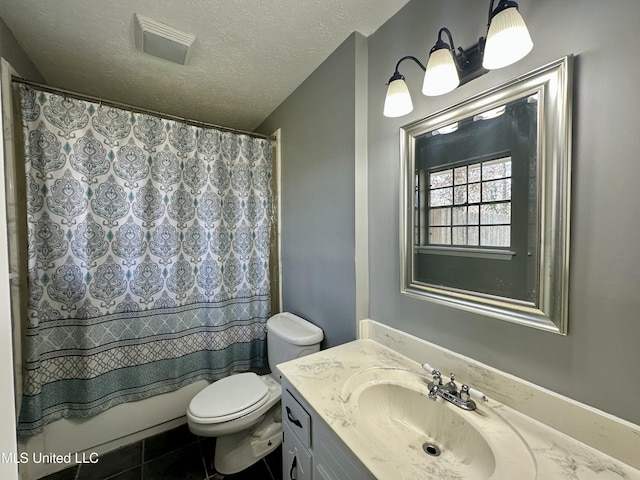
[
  {"x": 296, "y": 438},
  {"x": 310, "y": 450},
  {"x": 296, "y": 458}
]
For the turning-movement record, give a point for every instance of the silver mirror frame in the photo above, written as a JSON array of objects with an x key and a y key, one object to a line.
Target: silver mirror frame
[{"x": 549, "y": 312}]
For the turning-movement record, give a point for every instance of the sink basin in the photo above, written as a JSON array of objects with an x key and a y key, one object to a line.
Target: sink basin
[{"x": 393, "y": 416}]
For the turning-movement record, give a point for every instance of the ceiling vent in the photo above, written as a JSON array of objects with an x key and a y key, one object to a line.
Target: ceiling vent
[{"x": 163, "y": 41}]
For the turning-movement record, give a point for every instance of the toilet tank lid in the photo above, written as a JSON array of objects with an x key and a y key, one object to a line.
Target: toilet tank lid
[{"x": 294, "y": 329}]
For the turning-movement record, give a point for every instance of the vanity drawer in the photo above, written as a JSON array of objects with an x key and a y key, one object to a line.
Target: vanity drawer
[{"x": 297, "y": 418}]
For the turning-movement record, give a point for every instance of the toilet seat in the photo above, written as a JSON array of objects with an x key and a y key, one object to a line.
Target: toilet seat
[{"x": 229, "y": 398}]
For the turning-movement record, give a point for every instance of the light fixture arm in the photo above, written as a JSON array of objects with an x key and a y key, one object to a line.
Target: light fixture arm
[
  {"x": 460, "y": 57},
  {"x": 490, "y": 12},
  {"x": 440, "y": 43},
  {"x": 397, "y": 75},
  {"x": 467, "y": 61}
]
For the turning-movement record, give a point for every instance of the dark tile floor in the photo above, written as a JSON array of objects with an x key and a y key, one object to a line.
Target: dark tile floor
[{"x": 173, "y": 455}]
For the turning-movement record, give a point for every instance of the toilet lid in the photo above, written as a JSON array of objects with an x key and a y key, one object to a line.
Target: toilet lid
[{"x": 229, "y": 396}]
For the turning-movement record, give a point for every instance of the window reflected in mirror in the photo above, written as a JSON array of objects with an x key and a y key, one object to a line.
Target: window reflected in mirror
[
  {"x": 473, "y": 196},
  {"x": 485, "y": 211}
]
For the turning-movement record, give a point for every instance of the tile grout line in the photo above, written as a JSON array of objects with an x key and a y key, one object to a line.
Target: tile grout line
[
  {"x": 204, "y": 462},
  {"x": 144, "y": 448},
  {"x": 266, "y": 464},
  {"x": 123, "y": 471}
]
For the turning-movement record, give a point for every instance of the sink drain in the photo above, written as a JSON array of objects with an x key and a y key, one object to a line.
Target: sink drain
[{"x": 431, "y": 449}]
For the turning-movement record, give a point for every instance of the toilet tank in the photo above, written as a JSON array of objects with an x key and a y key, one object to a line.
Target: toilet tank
[{"x": 290, "y": 337}]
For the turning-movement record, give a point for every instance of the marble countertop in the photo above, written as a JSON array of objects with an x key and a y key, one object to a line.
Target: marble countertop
[{"x": 321, "y": 377}]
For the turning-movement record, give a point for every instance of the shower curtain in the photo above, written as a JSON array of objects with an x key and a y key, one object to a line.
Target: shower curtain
[{"x": 148, "y": 255}]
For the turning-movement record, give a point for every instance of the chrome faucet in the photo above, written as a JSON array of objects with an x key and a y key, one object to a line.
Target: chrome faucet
[
  {"x": 451, "y": 386},
  {"x": 449, "y": 391}
]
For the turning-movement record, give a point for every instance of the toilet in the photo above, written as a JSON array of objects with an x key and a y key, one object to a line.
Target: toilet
[{"x": 243, "y": 410}]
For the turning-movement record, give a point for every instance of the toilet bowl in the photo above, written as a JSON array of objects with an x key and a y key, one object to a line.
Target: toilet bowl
[
  {"x": 243, "y": 410},
  {"x": 231, "y": 404}
]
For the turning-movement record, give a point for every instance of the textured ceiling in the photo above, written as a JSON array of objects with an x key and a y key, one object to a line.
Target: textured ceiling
[{"x": 249, "y": 55}]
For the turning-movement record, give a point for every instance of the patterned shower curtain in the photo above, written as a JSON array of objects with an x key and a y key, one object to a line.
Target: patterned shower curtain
[{"x": 148, "y": 256}]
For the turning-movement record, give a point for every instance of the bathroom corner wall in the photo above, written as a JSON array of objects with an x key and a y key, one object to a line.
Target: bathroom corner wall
[
  {"x": 601, "y": 347},
  {"x": 12, "y": 52},
  {"x": 323, "y": 151}
]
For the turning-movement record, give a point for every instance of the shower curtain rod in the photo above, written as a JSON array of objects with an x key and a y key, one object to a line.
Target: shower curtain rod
[{"x": 133, "y": 108}]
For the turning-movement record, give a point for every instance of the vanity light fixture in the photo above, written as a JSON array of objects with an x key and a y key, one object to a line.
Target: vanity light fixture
[
  {"x": 441, "y": 75},
  {"x": 507, "y": 41},
  {"x": 508, "y": 38},
  {"x": 398, "y": 101}
]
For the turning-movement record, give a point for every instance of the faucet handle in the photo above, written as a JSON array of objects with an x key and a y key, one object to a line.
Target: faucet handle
[
  {"x": 437, "y": 376},
  {"x": 465, "y": 396},
  {"x": 429, "y": 368},
  {"x": 472, "y": 393}
]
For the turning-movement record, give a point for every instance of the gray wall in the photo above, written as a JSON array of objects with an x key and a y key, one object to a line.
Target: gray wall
[
  {"x": 318, "y": 131},
  {"x": 12, "y": 52},
  {"x": 598, "y": 362}
]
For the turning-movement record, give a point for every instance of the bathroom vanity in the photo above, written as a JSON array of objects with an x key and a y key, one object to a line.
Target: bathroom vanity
[
  {"x": 310, "y": 449},
  {"x": 362, "y": 411}
]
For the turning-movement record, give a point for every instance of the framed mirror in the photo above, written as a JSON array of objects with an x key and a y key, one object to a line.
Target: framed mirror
[{"x": 486, "y": 201}]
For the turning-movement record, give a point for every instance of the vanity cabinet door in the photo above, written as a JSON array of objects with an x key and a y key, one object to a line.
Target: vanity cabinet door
[
  {"x": 308, "y": 443},
  {"x": 296, "y": 459},
  {"x": 296, "y": 417}
]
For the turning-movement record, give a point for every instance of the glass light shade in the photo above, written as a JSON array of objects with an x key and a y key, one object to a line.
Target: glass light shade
[
  {"x": 442, "y": 75},
  {"x": 508, "y": 40},
  {"x": 398, "y": 100}
]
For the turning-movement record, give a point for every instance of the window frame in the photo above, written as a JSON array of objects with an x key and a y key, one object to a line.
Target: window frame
[{"x": 424, "y": 208}]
